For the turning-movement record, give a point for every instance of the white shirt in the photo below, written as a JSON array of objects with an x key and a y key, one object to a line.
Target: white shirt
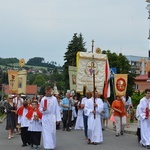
[{"x": 22, "y": 119}]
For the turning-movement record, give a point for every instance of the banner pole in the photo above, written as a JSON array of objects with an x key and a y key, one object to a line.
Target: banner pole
[{"x": 93, "y": 78}]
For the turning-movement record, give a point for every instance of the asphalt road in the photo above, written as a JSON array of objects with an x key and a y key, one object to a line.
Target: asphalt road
[{"x": 75, "y": 140}]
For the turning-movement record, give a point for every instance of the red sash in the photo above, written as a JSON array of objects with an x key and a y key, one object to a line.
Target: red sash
[
  {"x": 20, "y": 110},
  {"x": 30, "y": 114}
]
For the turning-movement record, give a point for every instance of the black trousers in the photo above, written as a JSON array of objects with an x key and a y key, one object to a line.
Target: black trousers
[
  {"x": 67, "y": 115},
  {"x": 35, "y": 137},
  {"x": 138, "y": 133},
  {"x": 25, "y": 135}
]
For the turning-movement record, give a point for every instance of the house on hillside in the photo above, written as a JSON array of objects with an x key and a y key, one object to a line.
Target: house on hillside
[{"x": 31, "y": 90}]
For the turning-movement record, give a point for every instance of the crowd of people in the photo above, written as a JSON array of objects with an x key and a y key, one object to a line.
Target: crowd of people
[{"x": 33, "y": 118}]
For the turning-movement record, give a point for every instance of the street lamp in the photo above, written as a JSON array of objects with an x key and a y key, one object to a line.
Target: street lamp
[{"x": 148, "y": 8}]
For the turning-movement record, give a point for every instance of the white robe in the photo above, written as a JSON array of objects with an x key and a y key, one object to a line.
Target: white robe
[
  {"x": 49, "y": 118},
  {"x": 79, "y": 122},
  {"x": 145, "y": 123},
  {"x": 94, "y": 125},
  {"x": 35, "y": 125}
]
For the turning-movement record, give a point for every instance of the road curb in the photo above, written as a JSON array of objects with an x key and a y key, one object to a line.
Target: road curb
[
  {"x": 125, "y": 131},
  {"x": 2, "y": 118}
]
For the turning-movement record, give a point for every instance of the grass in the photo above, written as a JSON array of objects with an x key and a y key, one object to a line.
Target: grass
[{"x": 37, "y": 67}]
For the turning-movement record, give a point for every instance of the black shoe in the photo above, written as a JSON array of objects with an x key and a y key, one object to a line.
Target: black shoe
[
  {"x": 24, "y": 145},
  {"x": 117, "y": 135},
  {"x": 68, "y": 130},
  {"x": 121, "y": 133},
  {"x": 94, "y": 143},
  {"x": 148, "y": 147}
]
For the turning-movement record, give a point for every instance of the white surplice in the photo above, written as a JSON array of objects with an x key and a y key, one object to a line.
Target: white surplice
[
  {"x": 35, "y": 125},
  {"x": 94, "y": 125},
  {"x": 22, "y": 119},
  {"x": 49, "y": 118},
  {"x": 79, "y": 122},
  {"x": 145, "y": 123}
]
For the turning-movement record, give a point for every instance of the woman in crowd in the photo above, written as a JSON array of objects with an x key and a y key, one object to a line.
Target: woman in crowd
[
  {"x": 11, "y": 117},
  {"x": 128, "y": 107},
  {"x": 105, "y": 113},
  {"x": 118, "y": 106}
]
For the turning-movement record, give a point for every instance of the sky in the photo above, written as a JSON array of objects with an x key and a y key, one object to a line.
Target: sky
[{"x": 43, "y": 28}]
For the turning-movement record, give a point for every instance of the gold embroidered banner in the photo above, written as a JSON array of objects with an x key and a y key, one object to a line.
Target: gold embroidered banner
[
  {"x": 13, "y": 81},
  {"x": 22, "y": 78},
  {"x": 72, "y": 77},
  {"x": 120, "y": 81},
  {"x": 87, "y": 64}
]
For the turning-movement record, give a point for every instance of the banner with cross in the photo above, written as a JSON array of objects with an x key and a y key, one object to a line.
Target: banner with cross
[{"x": 87, "y": 65}]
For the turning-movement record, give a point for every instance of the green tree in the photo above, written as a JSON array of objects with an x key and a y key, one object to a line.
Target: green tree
[
  {"x": 76, "y": 44},
  {"x": 35, "y": 61},
  {"x": 30, "y": 78},
  {"x": 122, "y": 65},
  {"x": 39, "y": 80},
  {"x": 5, "y": 77},
  {"x": 136, "y": 98}
]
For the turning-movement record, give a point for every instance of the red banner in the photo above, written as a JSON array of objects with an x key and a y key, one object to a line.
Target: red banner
[{"x": 120, "y": 81}]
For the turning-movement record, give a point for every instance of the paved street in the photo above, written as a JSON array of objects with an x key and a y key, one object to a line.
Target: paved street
[{"x": 74, "y": 140}]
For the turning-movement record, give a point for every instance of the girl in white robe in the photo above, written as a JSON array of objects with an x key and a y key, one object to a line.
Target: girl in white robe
[{"x": 79, "y": 122}]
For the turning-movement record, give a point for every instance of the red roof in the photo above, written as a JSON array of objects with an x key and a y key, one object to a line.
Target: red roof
[
  {"x": 30, "y": 89},
  {"x": 141, "y": 77}
]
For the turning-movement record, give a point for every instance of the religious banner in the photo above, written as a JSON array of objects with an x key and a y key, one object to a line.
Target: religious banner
[
  {"x": 13, "y": 81},
  {"x": 22, "y": 78},
  {"x": 87, "y": 64},
  {"x": 72, "y": 77},
  {"x": 120, "y": 83}
]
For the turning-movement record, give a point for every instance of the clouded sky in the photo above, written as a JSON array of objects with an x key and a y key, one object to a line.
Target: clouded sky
[{"x": 43, "y": 28}]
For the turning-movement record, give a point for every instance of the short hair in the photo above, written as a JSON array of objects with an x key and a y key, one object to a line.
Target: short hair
[
  {"x": 48, "y": 88},
  {"x": 35, "y": 102},
  {"x": 147, "y": 90}
]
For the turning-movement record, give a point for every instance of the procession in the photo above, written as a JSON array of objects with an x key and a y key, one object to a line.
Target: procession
[{"x": 85, "y": 107}]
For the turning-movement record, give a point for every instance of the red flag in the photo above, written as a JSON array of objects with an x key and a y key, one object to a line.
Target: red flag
[{"x": 106, "y": 92}]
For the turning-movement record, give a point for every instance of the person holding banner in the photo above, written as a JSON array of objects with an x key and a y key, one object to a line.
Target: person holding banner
[
  {"x": 94, "y": 121},
  {"x": 118, "y": 106},
  {"x": 144, "y": 107},
  {"x": 51, "y": 116}
]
